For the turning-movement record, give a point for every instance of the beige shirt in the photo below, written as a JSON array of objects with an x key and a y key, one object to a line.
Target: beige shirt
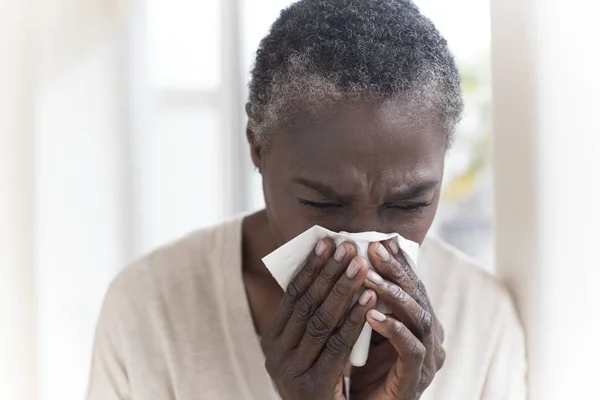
[{"x": 177, "y": 325}]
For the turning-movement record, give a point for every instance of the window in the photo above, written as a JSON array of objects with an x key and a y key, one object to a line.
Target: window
[{"x": 176, "y": 120}]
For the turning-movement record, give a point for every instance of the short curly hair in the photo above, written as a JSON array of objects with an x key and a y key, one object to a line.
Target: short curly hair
[{"x": 322, "y": 51}]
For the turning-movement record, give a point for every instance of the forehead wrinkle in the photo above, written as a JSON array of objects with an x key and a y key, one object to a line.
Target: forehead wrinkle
[
  {"x": 362, "y": 169},
  {"x": 374, "y": 187},
  {"x": 388, "y": 183}
]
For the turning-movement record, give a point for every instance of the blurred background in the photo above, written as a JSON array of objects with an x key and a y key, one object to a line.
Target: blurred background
[
  {"x": 126, "y": 130},
  {"x": 189, "y": 64}
]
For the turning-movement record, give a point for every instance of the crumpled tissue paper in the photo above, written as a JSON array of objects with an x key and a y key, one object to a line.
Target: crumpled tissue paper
[{"x": 285, "y": 262}]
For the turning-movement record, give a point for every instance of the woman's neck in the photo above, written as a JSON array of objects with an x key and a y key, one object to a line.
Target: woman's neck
[
  {"x": 257, "y": 242},
  {"x": 262, "y": 291}
]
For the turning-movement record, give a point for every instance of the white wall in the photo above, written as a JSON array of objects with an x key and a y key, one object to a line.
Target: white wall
[
  {"x": 63, "y": 204},
  {"x": 547, "y": 175},
  {"x": 17, "y": 307},
  {"x": 81, "y": 207},
  {"x": 183, "y": 94}
]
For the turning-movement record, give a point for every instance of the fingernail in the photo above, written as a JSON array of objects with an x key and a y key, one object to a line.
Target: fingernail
[
  {"x": 340, "y": 253},
  {"x": 365, "y": 297},
  {"x": 321, "y": 247},
  {"x": 394, "y": 246},
  {"x": 377, "y": 316},
  {"x": 374, "y": 277},
  {"x": 382, "y": 252},
  {"x": 352, "y": 269}
]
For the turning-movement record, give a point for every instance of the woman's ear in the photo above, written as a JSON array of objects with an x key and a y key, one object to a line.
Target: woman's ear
[{"x": 255, "y": 149}]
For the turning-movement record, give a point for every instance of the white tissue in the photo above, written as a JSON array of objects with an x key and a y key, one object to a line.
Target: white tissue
[{"x": 285, "y": 262}]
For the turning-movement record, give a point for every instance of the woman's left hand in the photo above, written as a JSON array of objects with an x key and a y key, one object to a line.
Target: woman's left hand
[{"x": 412, "y": 329}]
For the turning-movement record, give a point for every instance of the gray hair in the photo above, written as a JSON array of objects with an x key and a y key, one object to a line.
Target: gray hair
[{"x": 320, "y": 52}]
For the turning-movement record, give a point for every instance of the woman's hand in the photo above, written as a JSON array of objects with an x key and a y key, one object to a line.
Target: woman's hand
[
  {"x": 309, "y": 341},
  {"x": 413, "y": 332}
]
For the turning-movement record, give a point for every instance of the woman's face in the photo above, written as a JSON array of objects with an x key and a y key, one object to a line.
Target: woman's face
[{"x": 369, "y": 167}]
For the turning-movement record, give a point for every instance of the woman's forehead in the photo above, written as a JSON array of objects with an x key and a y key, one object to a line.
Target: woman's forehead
[
  {"x": 380, "y": 137},
  {"x": 361, "y": 157}
]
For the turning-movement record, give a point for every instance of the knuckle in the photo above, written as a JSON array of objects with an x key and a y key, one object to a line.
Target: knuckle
[
  {"x": 440, "y": 331},
  {"x": 418, "y": 351},
  {"x": 425, "y": 374},
  {"x": 426, "y": 322},
  {"x": 328, "y": 274},
  {"x": 420, "y": 286},
  {"x": 398, "y": 273},
  {"x": 398, "y": 329},
  {"x": 355, "y": 319},
  {"x": 339, "y": 291},
  {"x": 426, "y": 377},
  {"x": 320, "y": 325},
  {"x": 396, "y": 292},
  {"x": 306, "y": 307},
  {"x": 288, "y": 303},
  {"x": 422, "y": 300},
  {"x": 294, "y": 289},
  {"x": 440, "y": 357},
  {"x": 338, "y": 345},
  {"x": 312, "y": 264}
]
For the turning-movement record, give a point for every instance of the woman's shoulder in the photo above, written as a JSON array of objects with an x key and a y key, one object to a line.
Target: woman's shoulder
[
  {"x": 459, "y": 287},
  {"x": 188, "y": 261},
  {"x": 165, "y": 311},
  {"x": 484, "y": 341}
]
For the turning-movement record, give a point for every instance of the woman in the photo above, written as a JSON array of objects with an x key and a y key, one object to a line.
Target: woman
[{"x": 351, "y": 110}]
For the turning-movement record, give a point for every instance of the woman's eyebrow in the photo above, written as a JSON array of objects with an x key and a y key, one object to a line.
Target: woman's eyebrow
[
  {"x": 413, "y": 191},
  {"x": 402, "y": 194},
  {"x": 321, "y": 188}
]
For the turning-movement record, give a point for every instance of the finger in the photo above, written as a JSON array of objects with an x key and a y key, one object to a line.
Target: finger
[
  {"x": 421, "y": 293},
  {"x": 331, "y": 313},
  {"x": 311, "y": 300},
  {"x": 394, "y": 271},
  {"x": 298, "y": 286},
  {"x": 405, "y": 308},
  {"x": 392, "y": 246},
  {"x": 339, "y": 346},
  {"x": 406, "y": 344},
  {"x": 422, "y": 323},
  {"x": 411, "y": 353},
  {"x": 394, "y": 249}
]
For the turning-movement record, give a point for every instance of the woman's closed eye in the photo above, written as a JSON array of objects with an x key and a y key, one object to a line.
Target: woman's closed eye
[
  {"x": 319, "y": 205},
  {"x": 410, "y": 207}
]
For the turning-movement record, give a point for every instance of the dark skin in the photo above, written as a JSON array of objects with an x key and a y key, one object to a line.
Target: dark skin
[{"x": 366, "y": 167}]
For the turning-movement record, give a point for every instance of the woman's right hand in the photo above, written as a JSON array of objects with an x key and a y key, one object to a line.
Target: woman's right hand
[{"x": 308, "y": 343}]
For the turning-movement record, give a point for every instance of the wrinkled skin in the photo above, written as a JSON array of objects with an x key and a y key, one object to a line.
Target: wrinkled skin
[
  {"x": 366, "y": 167},
  {"x": 412, "y": 330},
  {"x": 308, "y": 342}
]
